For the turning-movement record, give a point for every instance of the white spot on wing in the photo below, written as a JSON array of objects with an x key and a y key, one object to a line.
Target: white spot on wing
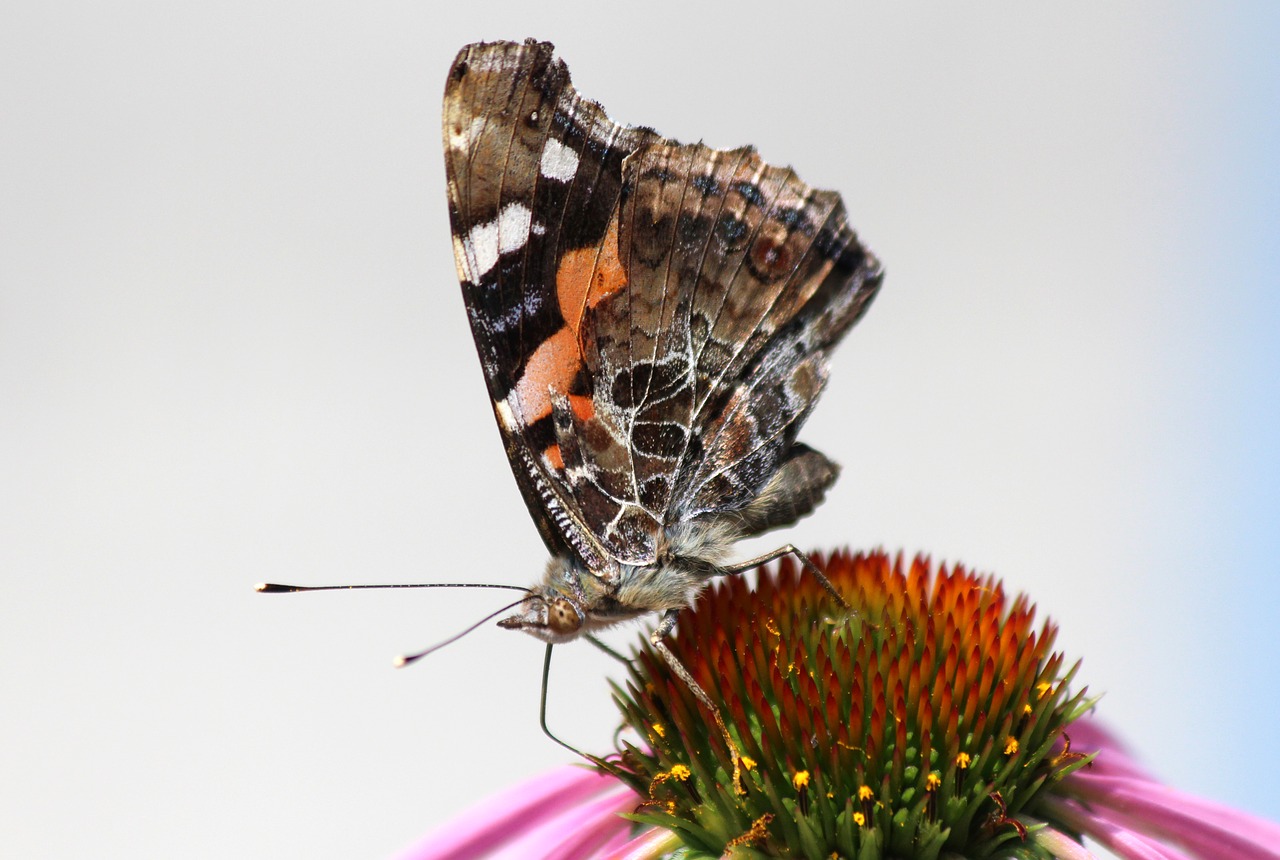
[
  {"x": 484, "y": 243},
  {"x": 505, "y": 416},
  {"x": 559, "y": 162},
  {"x": 513, "y": 227}
]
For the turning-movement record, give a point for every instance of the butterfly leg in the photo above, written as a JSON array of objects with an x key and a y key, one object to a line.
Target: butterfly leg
[
  {"x": 664, "y": 627},
  {"x": 789, "y": 549},
  {"x": 606, "y": 649}
]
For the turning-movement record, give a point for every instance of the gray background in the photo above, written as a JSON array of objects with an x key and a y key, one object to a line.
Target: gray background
[{"x": 232, "y": 348}]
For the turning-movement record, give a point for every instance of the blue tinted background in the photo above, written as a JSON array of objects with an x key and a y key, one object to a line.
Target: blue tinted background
[{"x": 232, "y": 348}]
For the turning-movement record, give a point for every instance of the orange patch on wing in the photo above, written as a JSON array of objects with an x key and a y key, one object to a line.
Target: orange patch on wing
[
  {"x": 554, "y": 457},
  {"x": 551, "y": 368},
  {"x": 583, "y": 407},
  {"x": 587, "y": 276}
]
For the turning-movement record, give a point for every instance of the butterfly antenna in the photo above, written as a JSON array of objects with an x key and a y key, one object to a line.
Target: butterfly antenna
[
  {"x": 406, "y": 659},
  {"x": 278, "y": 588}
]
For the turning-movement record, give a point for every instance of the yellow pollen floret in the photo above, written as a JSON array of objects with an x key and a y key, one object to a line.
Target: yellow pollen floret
[
  {"x": 658, "y": 779},
  {"x": 759, "y": 830},
  {"x": 932, "y": 781},
  {"x": 748, "y": 763},
  {"x": 1026, "y": 709},
  {"x": 660, "y": 730},
  {"x": 801, "y": 780},
  {"x": 1011, "y": 745},
  {"x": 962, "y": 761},
  {"x": 681, "y": 772},
  {"x": 865, "y": 792},
  {"x": 859, "y": 819},
  {"x": 1042, "y": 689}
]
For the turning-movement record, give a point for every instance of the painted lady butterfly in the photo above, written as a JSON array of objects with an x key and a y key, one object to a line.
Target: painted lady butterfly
[{"x": 653, "y": 320}]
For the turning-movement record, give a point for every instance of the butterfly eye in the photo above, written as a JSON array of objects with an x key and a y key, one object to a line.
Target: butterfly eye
[{"x": 562, "y": 616}]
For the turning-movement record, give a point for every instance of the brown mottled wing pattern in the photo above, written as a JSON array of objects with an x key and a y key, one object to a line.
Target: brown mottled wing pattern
[
  {"x": 742, "y": 278},
  {"x": 653, "y": 318}
]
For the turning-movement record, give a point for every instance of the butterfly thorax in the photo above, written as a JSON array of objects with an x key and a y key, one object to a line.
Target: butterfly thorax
[{"x": 572, "y": 601}]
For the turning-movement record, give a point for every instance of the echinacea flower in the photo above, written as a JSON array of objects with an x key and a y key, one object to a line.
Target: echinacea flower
[{"x": 927, "y": 719}]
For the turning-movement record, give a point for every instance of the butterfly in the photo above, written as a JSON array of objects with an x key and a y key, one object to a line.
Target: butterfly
[{"x": 654, "y": 321}]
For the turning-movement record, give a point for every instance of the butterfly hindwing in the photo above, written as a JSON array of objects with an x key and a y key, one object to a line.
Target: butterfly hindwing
[{"x": 750, "y": 275}]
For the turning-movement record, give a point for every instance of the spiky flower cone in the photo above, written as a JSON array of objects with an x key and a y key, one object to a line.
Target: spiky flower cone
[{"x": 926, "y": 722}]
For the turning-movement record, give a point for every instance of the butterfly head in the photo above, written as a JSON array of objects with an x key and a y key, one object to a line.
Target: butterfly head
[
  {"x": 556, "y": 610},
  {"x": 552, "y": 618}
]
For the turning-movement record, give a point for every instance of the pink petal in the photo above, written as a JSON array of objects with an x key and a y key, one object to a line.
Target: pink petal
[
  {"x": 1114, "y": 759},
  {"x": 1208, "y": 829},
  {"x": 498, "y": 820},
  {"x": 1134, "y": 845},
  {"x": 646, "y": 846},
  {"x": 542, "y": 841},
  {"x": 1061, "y": 846},
  {"x": 594, "y": 826},
  {"x": 1124, "y": 841}
]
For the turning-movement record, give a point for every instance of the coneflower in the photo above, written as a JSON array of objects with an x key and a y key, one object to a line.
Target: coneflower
[{"x": 930, "y": 720}]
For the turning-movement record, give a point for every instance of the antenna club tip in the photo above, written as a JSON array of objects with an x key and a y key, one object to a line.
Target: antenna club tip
[
  {"x": 262, "y": 586},
  {"x": 400, "y": 661}
]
